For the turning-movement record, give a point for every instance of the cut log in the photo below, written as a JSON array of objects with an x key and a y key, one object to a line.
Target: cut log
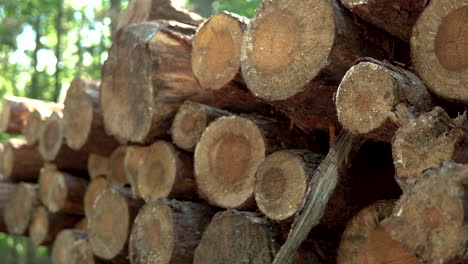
[
  {"x": 282, "y": 180},
  {"x": 190, "y": 122},
  {"x": 98, "y": 166},
  {"x": 228, "y": 154},
  {"x": 72, "y": 247},
  {"x": 164, "y": 172},
  {"x": 15, "y": 111},
  {"x": 82, "y": 224},
  {"x": 21, "y": 162},
  {"x": 116, "y": 164},
  {"x": 45, "y": 226},
  {"x": 430, "y": 218},
  {"x": 167, "y": 232},
  {"x": 217, "y": 49},
  {"x": 439, "y": 48},
  {"x": 375, "y": 98},
  {"x": 34, "y": 123},
  {"x": 62, "y": 192},
  {"x": 110, "y": 222},
  {"x": 433, "y": 138},
  {"x": 365, "y": 241},
  {"x": 132, "y": 159},
  {"x": 19, "y": 208},
  {"x": 6, "y": 191},
  {"x": 83, "y": 121},
  {"x": 94, "y": 189}
]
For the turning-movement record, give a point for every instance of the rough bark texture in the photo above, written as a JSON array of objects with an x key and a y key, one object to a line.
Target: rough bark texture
[
  {"x": 6, "y": 191},
  {"x": 168, "y": 231},
  {"x": 430, "y": 218},
  {"x": 116, "y": 164},
  {"x": 94, "y": 189},
  {"x": 98, "y": 166},
  {"x": 439, "y": 48},
  {"x": 132, "y": 159},
  {"x": 375, "y": 98},
  {"x": 83, "y": 121},
  {"x": 19, "y": 208},
  {"x": 165, "y": 171},
  {"x": 15, "y": 111},
  {"x": 21, "y": 162},
  {"x": 72, "y": 247},
  {"x": 34, "y": 123}
]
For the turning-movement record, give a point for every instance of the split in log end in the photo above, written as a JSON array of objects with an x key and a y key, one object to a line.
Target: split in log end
[{"x": 94, "y": 189}]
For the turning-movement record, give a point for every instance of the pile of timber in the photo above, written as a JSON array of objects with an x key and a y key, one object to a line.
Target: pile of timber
[{"x": 319, "y": 131}]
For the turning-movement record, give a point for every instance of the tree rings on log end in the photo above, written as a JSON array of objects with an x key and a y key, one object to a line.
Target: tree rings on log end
[
  {"x": 19, "y": 208},
  {"x": 94, "y": 189},
  {"x": 72, "y": 247},
  {"x": 51, "y": 137}
]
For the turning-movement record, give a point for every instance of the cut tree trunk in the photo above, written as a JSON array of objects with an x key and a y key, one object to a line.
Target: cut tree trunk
[
  {"x": 281, "y": 182},
  {"x": 45, "y": 226},
  {"x": 83, "y": 121},
  {"x": 6, "y": 191},
  {"x": 375, "y": 98},
  {"x": 94, "y": 189},
  {"x": 72, "y": 247},
  {"x": 167, "y": 232},
  {"x": 190, "y": 122},
  {"x": 15, "y": 111},
  {"x": 165, "y": 171},
  {"x": 116, "y": 164},
  {"x": 439, "y": 48},
  {"x": 62, "y": 192},
  {"x": 365, "y": 241},
  {"x": 98, "y": 166},
  {"x": 216, "y": 52},
  {"x": 430, "y": 218},
  {"x": 397, "y": 17},
  {"x": 132, "y": 159},
  {"x": 110, "y": 222},
  {"x": 426, "y": 142},
  {"x": 33, "y": 124},
  {"x": 21, "y": 162},
  {"x": 19, "y": 208}
]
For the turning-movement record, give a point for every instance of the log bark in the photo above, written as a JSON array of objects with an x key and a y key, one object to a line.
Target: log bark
[
  {"x": 168, "y": 231},
  {"x": 19, "y": 208},
  {"x": 15, "y": 111},
  {"x": 116, "y": 164},
  {"x": 281, "y": 182},
  {"x": 94, "y": 189},
  {"x": 21, "y": 161},
  {"x": 165, "y": 171},
  {"x": 98, "y": 166},
  {"x": 45, "y": 226},
  {"x": 365, "y": 241},
  {"x": 6, "y": 191},
  {"x": 439, "y": 48},
  {"x": 110, "y": 222},
  {"x": 72, "y": 247},
  {"x": 435, "y": 138},
  {"x": 190, "y": 122},
  {"x": 33, "y": 124},
  {"x": 83, "y": 121},
  {"x": 430, "y": 218},
  {"x": 375, "y": 98},
  {"x": 132, "y": 159},
  {"x": 62, "y": 192}
]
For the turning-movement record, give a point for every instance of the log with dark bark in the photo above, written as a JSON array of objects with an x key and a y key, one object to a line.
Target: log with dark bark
[
  {"x": 33, "y": 124},
  {"x": 168, "y": 231},
  {"x": 165, "y": 171},
  {"x": 132, "y": 159},
  {"x": 19, "y": 208},
  {"x": 439, "y": 48},
  {"x": 15, "y": 111},
  {"x": 430, "y": 218},
  {"x": 83, "y": 121},
  {"x": 281, "y": 182},
  {"x": 428, "y": 141},
  {"x": 190, "y": 122},
  {"x": 98, "y": 166},
  {"x": 116, "y": 166},
  {"x": 94, "y": 189},
  {"x": 365, "y": 241},
  {"x": 375, "y": 98},
  {"x": 110, "y": 222},
  {"x": 45, "y": 226},
  {"x": 72, "y": 247},
  {"x": 6, "y": 191},
  {"x": 21, "y": 162}
]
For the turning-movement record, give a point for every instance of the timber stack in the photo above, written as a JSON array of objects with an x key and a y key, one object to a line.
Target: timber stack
[{"x": 318, "y": 131}]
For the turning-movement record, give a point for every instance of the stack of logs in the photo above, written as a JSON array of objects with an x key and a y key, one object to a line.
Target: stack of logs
[{"x": 213, "y": 140}]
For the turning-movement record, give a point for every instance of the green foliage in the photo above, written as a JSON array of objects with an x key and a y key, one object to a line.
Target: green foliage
[{"x": 208, "y": 7}]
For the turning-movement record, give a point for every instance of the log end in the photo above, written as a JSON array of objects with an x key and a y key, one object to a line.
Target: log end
[
  {"x": 98, "y": 166},
  {"x": 51, "y": 137},
  {"x": 39, "y": 228},
  {"x": 5, "y": 116},
  {"x": 8, "y": 161},
  {"x": 117, "y": 171},
  {"x": 33, "y": 126},
  {"x": 19, "y": 208},
  {"x": 72, "y": 247},
  {"x": 94, "y": 189},
  {"x": 188, "y": 125}
]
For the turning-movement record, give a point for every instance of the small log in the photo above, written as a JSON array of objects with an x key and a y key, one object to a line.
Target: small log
[
  {"x": 132, "y": 159},
  {"x": 83, "y": 121},
  {"x": 94, "y": 189},
  {"x": 21, "y": 161},
  {"x": 375, "y": 98},
  {"x": 116, "y": 164},
  {"x": 98, "y": 166},
  {"x": 6, "y": 191},
  {"x": 439, "y": 48},
  {"x": 434, "y": 138},
  {"x": 365, "y": 241},
  {"x": 19, "y": 208},
  {"x": 72, "y": 247},
  {"x": 62, "y": 192},
  {"x": 168, "y": 231},
  {"x": 34, "y": 123},
  {"x": 15, "y": 111},
  {"x": 45, "y": 226},
  {"x": 110, "y": 222},
  {"x": 430, "y": 218},
  {"x": 164, "y": 171},
  {"x": 190, "y": 122},
  {"x": 281, "y": 182}
]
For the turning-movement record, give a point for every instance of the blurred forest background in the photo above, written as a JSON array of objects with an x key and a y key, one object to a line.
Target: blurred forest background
[{"x": 44, "y": 44}]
